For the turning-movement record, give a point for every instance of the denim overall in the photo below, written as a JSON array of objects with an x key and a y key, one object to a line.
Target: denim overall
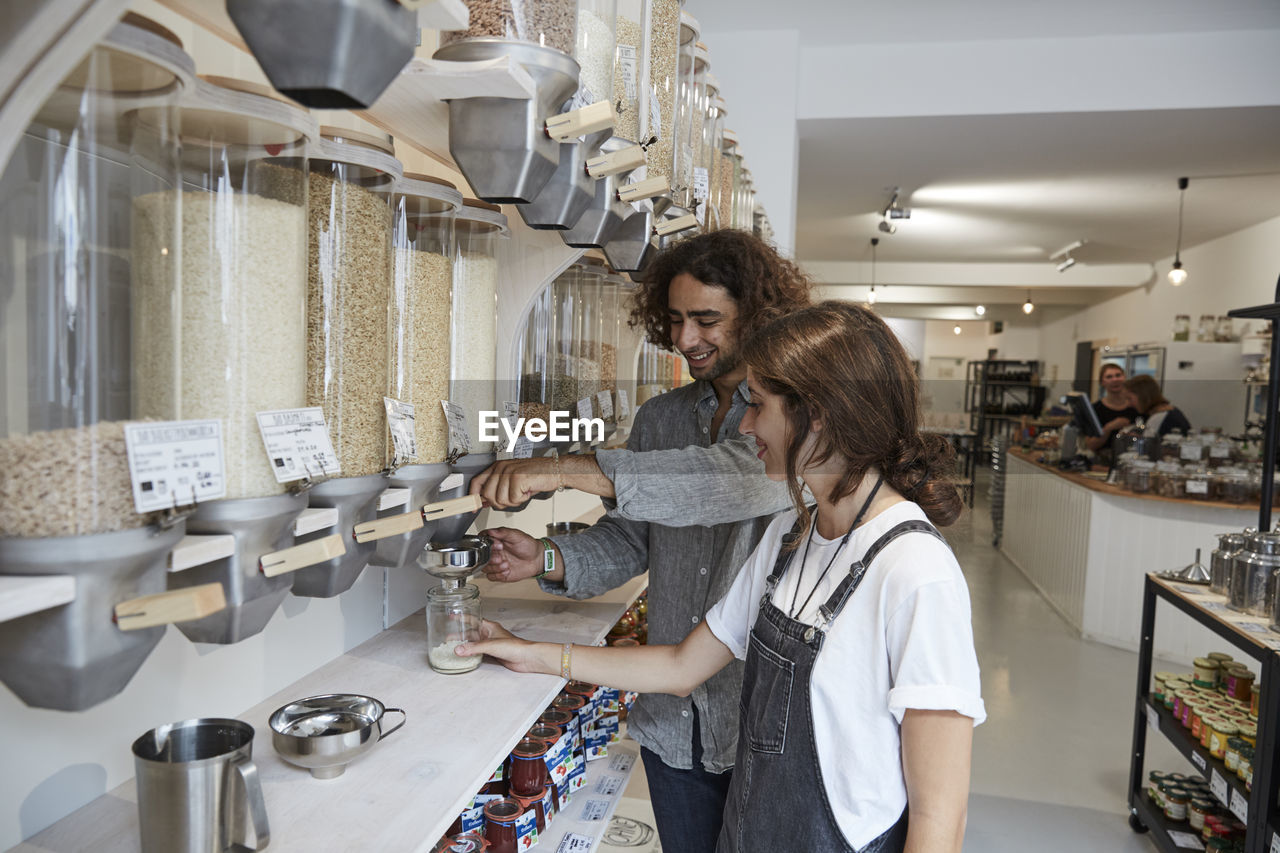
[{"x": 777, "y": 800}]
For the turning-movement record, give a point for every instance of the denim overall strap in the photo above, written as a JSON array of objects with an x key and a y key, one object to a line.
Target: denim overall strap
[
  {"x": 833, "y": 605},
  {"x": 783, "y": 561}
]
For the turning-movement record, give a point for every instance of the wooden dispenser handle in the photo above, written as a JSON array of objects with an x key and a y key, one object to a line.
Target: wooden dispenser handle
[
  {"x": 454, "y": 506},
  {"x": 672, "y": 226},
  {"x": 392, "y": 525},
  {"x": 179, "y": 605},
  {"x": 575, "y": 123},
  {"x": 640, "y": 190},
  {"x": 301, "y": 556},
  {"x": 631, "y": 157}
]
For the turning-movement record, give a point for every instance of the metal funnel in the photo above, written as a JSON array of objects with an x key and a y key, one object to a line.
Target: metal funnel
[
  {"x": 501, "y": 144},
  {"x": 451, "y": 529},
  {"x": 260, "y": 526},
  {"x": 631, "y": 247},
  {"x": 73, "y": 656},
  {"x": 598, "y": 223},
  {"x": 328, "y": 54},
  {"x": 356, "y": 499},
  {"x": 421, "y": 481},
  {"x": 571, "y": 191}
]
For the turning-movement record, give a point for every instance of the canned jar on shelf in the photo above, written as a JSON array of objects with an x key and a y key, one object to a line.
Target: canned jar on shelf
[
  {"x": 474, "y": 344},
  {"x": 350, "y": 182},
  {"x": 421, "y": 306},
  {"x": 67, "y": 197},
  {"x": 228, "y": 338}
]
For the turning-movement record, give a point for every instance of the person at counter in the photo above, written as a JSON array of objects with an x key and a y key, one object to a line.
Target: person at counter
[
  {"x": 1161, "y": 415},
  {"x": 1114, "y": 408},
  {"x": 688, "y": 502},
  {"x": 862, "y": 684}
]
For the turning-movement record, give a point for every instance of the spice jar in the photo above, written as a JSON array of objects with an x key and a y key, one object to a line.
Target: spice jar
[
  {"x": 550, "y": 23},
  {"x": 453, "y": 617},
  {"x": 421, "y": 306},
  {"x": 1222, "y": 451},
  {"x": 474, "y": 343},
  {"x": 70, "y": 192},
  {"x": 500, "y": 818},
  {"x": 528, "y": 770},
  {"x": 1197, "y": 811},
  {"x": 1252, "y": 587},
  {"x": 1222, "y": 731},
  {"x": 1175, "y": 804},
  {"x": 1206, "y": 672},
  {"x": 1220, "y": 564}
]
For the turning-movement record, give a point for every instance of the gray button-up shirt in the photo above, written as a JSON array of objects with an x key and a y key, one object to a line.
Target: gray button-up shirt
[{"x": 655, "y": 524}]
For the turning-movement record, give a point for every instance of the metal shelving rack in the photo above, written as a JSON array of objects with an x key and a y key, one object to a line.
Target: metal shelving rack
[
  {"x": 1257, "y": 809},
  {"x": 986, "y": 388}
]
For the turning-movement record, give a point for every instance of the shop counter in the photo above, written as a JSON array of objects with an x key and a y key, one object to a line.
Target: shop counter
[{"x": 1086, "y": 546}]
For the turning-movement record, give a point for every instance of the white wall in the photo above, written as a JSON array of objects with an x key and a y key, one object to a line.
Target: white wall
[{"x": 759, "y": 77}]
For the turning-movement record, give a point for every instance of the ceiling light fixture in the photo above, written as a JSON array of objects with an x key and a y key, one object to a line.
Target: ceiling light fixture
[
  {"x": 887, "y": 227},
  {"x": 1178, "y": 275},
  {"x": 1065, "y": 253},
  {"x": 1066, "y": 265},
  {"x": 980, "y": 310},
  {"x": 893, "y": 211},
  {"x": 1027, "y": 307},
  {"x": 871, "y": 295},
  {"x": 956, "y": 330}
]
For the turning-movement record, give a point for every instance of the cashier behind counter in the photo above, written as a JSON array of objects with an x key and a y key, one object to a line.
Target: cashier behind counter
[{"x": 1115, "y": 408}]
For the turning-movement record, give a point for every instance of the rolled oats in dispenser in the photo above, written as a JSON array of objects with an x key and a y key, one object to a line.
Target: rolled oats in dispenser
[
  {"x": 478, "y": 227},
  {"x": 544, "y": 22},
  {"x": 631, "y": 68}
]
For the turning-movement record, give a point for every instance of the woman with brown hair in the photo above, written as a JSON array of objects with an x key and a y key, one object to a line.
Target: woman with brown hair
[
  {"x": 1114, "y": 409},
  {"x": 1161, "y": 415},
  {"x": 861, "y": 687}
]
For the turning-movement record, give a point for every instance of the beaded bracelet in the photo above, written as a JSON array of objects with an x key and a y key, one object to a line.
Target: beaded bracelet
[{"x": 566, "y": 655}]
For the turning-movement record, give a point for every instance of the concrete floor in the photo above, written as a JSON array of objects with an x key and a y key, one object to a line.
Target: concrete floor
[{"x": 1051, "y": 763}]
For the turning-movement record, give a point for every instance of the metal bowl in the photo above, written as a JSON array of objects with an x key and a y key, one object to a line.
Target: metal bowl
[
  {"x": 326, "y": 733},
  {"x": 566, "y": 528},
  {"x": 456, "y": 560}
]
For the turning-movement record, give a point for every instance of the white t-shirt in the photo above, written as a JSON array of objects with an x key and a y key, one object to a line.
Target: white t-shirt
[{"x": 904, "y": 640}]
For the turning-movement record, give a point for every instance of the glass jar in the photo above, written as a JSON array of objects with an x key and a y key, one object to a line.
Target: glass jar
[
  {"x": 724, "y": 182},
  {"x": 1224, "y": 331},
  {"x": 474, "y": 343},
  {"x": 1205, "y": 329},
  {"x": 685, "y": 111},
  {"x": 594, "y": 49},
  {"x": 232, "y": 341},
  {"x": 500, "y": 818},
  {"x": 1171, "y": 482},
  {"x": 701, "y": 120},
  {"x": 1222, "y": 451},
  {"x": 631, "y": 69},
  {"x": 1139, "y": 476},
  {"x": 544, "y": 22},
  {"x": 590, "y": 286},
  {"x": 453, "y": 617},
  {"x": 1220, "y": 561},
  {"x": 69, "y": 191},
  {"x": 663, "y": 86},
  {"x": 351, "y": 178},
  {"x": 712, "y": 158},
  {"x": 528, "y": 769},
  {"x": 1198, "y": 485},
  {"x": 1194, "y": 449},
  {"x": 1171, "y": 447},
  {"x": 566, "y": 371},
  {"x": 610, "y": 320},
  {"x": 1234, "y": 485},
  {"x": 1182, "y": 327},
  {"x": 535, "y": 348},
  {"x": 421, "y": 306}
]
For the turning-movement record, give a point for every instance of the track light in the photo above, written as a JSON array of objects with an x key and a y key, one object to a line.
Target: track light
[
  {"x": 887, "y": 227},
  {"x": 1027, "y": 307},
  {"x": 871, "y": 294},
  {"x": 1065, "y": 253},
  {"x": 956, "y": 330},
  {"x": 892, "y": 211},
  {"x": 1066, "y": 265},
  {"x": 1178, "y": 275},
  {"x": 980, "y": 310}
]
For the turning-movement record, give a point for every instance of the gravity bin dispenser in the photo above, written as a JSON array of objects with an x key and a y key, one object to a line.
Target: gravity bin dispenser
[
  {"x": 229, "y": 342},
  {"x": 510, "y": 148},
  {"x": 88, "y": 568}
]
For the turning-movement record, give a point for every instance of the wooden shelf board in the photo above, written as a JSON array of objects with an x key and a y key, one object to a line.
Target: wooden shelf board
[{"x": 22, "y": 595}]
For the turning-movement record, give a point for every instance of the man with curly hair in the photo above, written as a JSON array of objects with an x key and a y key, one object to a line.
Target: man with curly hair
[{"x": 688, "y": 502}]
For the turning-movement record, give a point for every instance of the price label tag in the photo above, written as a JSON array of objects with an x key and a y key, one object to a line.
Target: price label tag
[
  {"x": 1153, "y": 719},
  {"x": 584, "y": 407},
  {"x": 581, "y": 98},
  {"x": 1217, "y": 606},
  {"x": 1218, "y": 786},
  {"x": 459, "y": 438},
  {"x": 175, "y": 463},
  {"x": 1275, "y": 843},
  {"x": 608, "y": 786},
  {"x": 403, "y": 434},
  {"x": 627, "y": 63},
  {"x": 298, "y": 444},
  {"x": 1185, "y": 840},
  {"x": 1197, "y": 487},
  {"x": 606, "y": 404},
  {"x": 595, "y": 810},
  {"x": 523, "y": 448},
  {"x": 1240, "y": 806},
  {"x": 1198, "y": 760},
  {"x": 1252, "y": 627},
  {"x": 624, "y": 407},
  {"x": 1190, "y": 452},
  {"x": 574, "y": 843},
  {"x": 621, "y": 762}
]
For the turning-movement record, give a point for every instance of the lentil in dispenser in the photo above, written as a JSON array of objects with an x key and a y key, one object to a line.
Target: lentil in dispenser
[
  {"x": 66, "y": 500},
  {"x": 232, "y": 340},
  {"x": 351, "y": 180}
]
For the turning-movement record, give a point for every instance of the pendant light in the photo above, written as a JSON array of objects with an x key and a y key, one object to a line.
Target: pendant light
[
  {"x": 1027, "y": 307},
  {"x": 957, "y": 330},
  {"x": 871, "y": 295},
  {"x": 1178, "y": 275},
  {"x": 980, "y": 310}
]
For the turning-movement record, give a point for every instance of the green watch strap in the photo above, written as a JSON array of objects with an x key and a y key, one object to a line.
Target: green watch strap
[{"x": 548, "y": 558}]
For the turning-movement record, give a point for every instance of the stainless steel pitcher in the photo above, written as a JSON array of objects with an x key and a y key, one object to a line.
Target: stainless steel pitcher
[{"x": 198, "y": 789}]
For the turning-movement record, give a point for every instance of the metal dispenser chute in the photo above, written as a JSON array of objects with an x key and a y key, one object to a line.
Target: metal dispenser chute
[
  {"x": 572, "y": 187},
  {"x": 328, "y": 54},
  {"x": 607, "y": 211}
]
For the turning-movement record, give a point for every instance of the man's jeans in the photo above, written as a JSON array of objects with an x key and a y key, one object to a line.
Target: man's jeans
[{"x": 688, "y": 805}]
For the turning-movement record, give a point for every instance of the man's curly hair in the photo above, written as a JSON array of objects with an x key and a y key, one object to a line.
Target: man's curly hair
[{"x": 763, "y": 284}]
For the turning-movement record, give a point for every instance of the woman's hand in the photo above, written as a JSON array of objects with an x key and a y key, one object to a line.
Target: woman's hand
[
  {"x": 512, "y": 652},
  {"x": 1115, "y": 424}
]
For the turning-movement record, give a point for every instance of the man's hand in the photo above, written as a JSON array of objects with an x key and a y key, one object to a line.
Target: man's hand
[
  {"x": 516, "y": 556},
  {"x": 511, "y": 482}
]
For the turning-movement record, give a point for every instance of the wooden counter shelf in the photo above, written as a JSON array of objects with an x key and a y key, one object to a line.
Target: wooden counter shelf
[{"x": 1096, "y": 485}]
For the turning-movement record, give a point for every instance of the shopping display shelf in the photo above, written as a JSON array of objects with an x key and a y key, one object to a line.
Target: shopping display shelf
[
  {"x": 1163, "y": 830},
  {"x": 405, "y": 793},
  {"x": 1247, "y": 634}
]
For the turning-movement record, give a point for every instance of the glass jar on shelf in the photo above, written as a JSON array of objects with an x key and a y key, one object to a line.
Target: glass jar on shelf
[
  {"x": 1205, "y": 329},
  {"x": 662, "y": 87},
  {"x": 595, "y": 46},
  {"x": 1233, "y": 485},
  {"x": 550, "y": 23},
  {"x": 591, "y": 276},
  {"x": 69, "y": 196},
  {"x": 421, "y": 306},
  {"x": 686, "y": 110},
  {"x": 536, "y": 347},
  {"x": 1171, "y": 447},
  {"x": 1171, "y": 482},
  {"x": 1224, "y": 331},
  {"x": 474, "y": 343},
  {"x": 1139, "y": 476},
  {"x": 728, "y": 172},
  {"x": 232, "y": 341},
  {"x": 1223, "y": 452},
  {"x": 566, "y": 370},
  {"x": 710, "y": 157},
  {"x": 610, "y": 300},
  {"x": 351, "y": 178},
  {"x": 1198, "y": 483},
  {"x": 453, "y": 617},
  {"x": 631, "y": 70},
  {"x": 1182, "y": 327}
]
